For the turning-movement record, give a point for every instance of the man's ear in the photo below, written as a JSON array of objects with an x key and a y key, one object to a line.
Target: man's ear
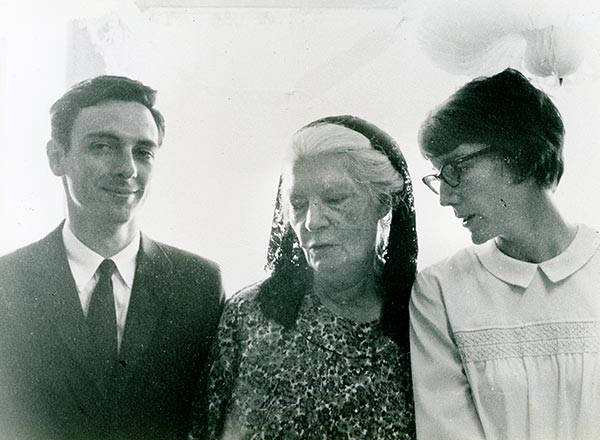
[{"x": 56, "y": 157}]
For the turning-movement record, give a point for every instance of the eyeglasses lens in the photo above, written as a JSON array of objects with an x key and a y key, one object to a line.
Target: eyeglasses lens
[
  {"x": 432, "y": 182},
  {"x": 450, "y": 174}
]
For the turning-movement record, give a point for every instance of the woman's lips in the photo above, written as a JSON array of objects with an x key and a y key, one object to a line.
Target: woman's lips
[
  {"x": 466, "y": 221},
  {"x": 319, "y": 247}
]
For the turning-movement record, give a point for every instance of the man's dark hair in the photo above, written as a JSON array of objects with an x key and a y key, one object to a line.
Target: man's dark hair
[
  {"x": 95, "y": 91},
  {"x": 508, "y": 113}
]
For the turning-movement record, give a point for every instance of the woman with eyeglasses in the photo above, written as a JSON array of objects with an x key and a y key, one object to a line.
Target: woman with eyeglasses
[{"x": 505, "y": 336}]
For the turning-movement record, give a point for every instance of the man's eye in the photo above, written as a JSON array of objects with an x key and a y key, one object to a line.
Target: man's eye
[
  {"x": 101, "y": 146},
  {"x": 146, "y": 154}
]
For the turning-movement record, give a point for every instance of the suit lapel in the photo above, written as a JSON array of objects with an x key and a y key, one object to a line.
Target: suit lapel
[
  {"x": 149, "y": 296},
  {"x": 55, "y": 297},
  {"x": 59, "y": 302}
]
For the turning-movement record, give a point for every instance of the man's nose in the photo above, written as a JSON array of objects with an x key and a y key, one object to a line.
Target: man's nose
[
  {"x": 315, "y": 217},
  {"x": 125, "y": 165}
]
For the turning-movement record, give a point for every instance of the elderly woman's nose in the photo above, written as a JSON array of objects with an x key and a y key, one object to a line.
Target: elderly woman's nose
[{"x": 315, "y": 216}]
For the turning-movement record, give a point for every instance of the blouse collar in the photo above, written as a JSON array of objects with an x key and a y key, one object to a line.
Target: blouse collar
[{"x": 521, "y": 273}]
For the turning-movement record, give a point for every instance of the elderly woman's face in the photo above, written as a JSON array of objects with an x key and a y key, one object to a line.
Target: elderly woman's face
[{"x": 334, "y": 218}]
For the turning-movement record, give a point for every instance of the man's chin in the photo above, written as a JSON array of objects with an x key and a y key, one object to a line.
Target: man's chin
[{"x": 119, "y": 217}]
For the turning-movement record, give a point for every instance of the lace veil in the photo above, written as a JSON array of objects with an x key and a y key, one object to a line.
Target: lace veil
[{"x": 281, "y": 295}]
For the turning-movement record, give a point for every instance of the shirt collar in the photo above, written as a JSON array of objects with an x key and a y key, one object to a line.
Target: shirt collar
[
  {"x": 84, "y": 262},
  {"x": 521, "y": 273}
]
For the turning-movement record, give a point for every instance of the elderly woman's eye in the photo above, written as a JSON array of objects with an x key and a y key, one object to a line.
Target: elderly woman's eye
[
  {"x": 337, "y": 200},
  {"x": 297, "y": 205}
]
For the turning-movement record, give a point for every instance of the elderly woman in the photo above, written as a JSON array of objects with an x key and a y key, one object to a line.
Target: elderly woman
[
  {"x": 506, "y": 335},
  {"x": 320, "y": 348}
]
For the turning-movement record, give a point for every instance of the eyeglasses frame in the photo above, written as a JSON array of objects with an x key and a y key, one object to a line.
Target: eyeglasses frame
[{"x": 456, "y": 161}]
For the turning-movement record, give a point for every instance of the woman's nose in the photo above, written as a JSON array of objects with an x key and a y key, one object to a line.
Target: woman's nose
[
  {"x": 315, "y": 217},
  {"x": 448, "y": 194}
]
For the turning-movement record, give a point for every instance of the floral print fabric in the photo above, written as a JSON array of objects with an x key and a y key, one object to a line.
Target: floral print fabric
[{"x": 327, "y": 378}]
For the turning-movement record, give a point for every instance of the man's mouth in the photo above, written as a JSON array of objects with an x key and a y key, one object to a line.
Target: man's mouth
[{"x": 120, "y": 191}]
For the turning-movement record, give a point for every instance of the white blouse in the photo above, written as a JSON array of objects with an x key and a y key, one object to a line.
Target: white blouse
[{"x": 505, "y": 349}]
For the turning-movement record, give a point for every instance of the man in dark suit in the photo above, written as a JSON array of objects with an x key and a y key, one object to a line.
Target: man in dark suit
[{"x": 103, "y": 332}]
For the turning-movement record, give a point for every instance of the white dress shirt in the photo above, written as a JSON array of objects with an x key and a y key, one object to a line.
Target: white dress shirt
[{"x": 84, "y": 263}]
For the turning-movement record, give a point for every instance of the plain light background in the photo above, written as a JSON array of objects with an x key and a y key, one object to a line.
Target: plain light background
[{"x": 234, "y": 83}]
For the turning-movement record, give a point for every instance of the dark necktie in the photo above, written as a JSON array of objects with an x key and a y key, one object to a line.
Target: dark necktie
[{"x": 102, "y": 320}]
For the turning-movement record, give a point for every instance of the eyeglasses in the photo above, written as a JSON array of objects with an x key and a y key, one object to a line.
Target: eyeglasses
[{"x": 450, "y": 172}]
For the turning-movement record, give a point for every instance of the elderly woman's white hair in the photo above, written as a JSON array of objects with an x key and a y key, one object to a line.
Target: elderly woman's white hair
[{"x": 367, "y": 166}]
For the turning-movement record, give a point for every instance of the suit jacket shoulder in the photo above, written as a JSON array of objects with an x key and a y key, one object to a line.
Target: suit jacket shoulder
[
  {"x": 23, "y": 265},
  {"x": 175, "y": 305},
  {"x": 184, "y": 263},
  {"x": 181, "y": 270}
]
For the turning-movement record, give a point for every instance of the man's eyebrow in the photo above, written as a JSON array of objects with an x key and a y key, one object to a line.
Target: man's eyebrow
[
  {"x": 112, "y": 136},
  {"x": 102, "y": 134},
  {"x": 147, "y": 143}
]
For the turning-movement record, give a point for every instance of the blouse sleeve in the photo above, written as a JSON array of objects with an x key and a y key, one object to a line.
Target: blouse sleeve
[
  {"x": 444, "y": 408},
  {"x": 210, "y": 408}
]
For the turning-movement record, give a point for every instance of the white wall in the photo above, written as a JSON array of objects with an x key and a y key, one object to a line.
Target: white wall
[{"x": 234, "y": 84}]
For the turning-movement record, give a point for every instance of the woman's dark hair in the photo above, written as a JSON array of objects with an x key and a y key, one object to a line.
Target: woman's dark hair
[
  {"x": 508, "y": 113},
  {"x": 280, "y": 296},
  {"x": 95, "y": 91}
]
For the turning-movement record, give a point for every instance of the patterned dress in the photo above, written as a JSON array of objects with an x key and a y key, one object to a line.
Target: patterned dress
[{"x": 327, "y": 378}]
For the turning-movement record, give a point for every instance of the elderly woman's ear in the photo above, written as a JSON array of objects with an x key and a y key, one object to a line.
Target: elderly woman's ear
[
  {"x": 389, "y": 202},
  {"x": 384, "y": 208}
]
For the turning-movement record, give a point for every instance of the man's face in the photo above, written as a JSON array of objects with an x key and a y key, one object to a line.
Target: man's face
[{"x": 108, "y": 165}]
